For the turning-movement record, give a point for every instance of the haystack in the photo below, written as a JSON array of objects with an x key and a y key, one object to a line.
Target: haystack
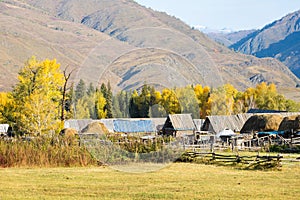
[
  {"x": 68, "y": 132},
  {"x": 290, "y": 123},
  {"x": 262, "y": 123},
  {"x": 96, "y": 128},
  {"x": 70, "y": 136}
]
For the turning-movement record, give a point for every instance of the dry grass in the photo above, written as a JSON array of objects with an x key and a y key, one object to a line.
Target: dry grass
[
  {"x": 44, "y": 152},
  {"x": 176, "y": 181}
]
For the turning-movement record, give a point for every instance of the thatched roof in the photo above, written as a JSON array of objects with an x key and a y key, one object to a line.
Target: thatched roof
[
  {"x": 289, "y": 123},
  {"x": 266, "y": 122}
]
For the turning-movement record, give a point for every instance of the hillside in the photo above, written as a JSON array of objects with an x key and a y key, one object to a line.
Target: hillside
[
  {"x": 125, "y": 43},
  {"x": 228, "y": 39},
  {"x": 279, "y": 39}
]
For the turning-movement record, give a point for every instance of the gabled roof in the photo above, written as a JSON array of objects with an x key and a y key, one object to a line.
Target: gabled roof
[
  {"x": 182, "y": 122},
  {"x": 219, "y": 123},
  {"x": 198, "y": 123}
]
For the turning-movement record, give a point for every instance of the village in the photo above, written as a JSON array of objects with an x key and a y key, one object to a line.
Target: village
[{"x": 255, "y": 130}]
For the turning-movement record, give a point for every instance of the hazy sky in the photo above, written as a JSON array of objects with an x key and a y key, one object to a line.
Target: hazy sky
[{"x": 219, "y": 14}]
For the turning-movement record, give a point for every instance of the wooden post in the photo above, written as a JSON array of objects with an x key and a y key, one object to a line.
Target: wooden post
[{"x": 292, "y": 137}]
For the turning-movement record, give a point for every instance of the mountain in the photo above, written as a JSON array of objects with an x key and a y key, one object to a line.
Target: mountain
[
  {"x": 125, "y": 43},
  {"x": 280, "y": 40},
  {"x": 228, "y": 38}
]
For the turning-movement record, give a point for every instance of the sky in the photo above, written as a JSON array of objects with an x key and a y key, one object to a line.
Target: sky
[{"x": 230, "y": 14}]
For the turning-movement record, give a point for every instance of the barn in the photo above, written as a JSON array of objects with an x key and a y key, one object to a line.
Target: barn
[
  {"x": 216, "y": 124},
  {"x": 179, "y": 125}
]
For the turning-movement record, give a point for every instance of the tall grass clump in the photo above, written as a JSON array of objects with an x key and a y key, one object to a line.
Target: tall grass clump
[{"x": 56, "y": 151}]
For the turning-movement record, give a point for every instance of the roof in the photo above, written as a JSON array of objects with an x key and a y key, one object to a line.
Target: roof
[
  {"x": 109, "y": 124},
  {"x": 158, "y": 122},
  {"x": 3, "y": 128},
  {"x": 77, "y": 124},
  {"x": 233, "y": 122},
  {"x": 198, "y": 123},
  {"x": 133, "y": 126},
  {"x": 225, "y": 132},
  {"x": 182, "y": 122},
  {"x": 252, "y": 110}
]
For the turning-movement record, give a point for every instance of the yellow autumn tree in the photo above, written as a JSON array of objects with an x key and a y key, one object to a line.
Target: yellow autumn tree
[
  {"x": 202, "y": 94},
  {"x": 230, "y": 98},
  {"x": 37, "y": 97},
  {"x": 6, "y": 106},
  {"x": 100, "y": 105},
  {"x": 170, "y": 102}
]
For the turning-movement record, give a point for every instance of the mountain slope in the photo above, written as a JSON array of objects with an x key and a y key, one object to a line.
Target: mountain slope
[
  {"x": 279, "y": 39},
  {"x": 228, "y": 39},
  {"x": 125, "y": 43}
]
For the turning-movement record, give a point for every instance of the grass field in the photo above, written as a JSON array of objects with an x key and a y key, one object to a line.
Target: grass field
[{"x": 176, "y": 181}]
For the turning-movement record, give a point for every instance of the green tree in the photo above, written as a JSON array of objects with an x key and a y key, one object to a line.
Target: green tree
[
  {"x": 107, "y": 93},
  {"x": 109, "y": 101},
  {"x": 80, "y": 90},
  {"x": 133, "y": 105},
  {"x": 188, "y": 101}
]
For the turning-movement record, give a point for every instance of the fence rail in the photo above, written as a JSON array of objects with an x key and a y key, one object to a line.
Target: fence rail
[{"x": 245, "y": 162}]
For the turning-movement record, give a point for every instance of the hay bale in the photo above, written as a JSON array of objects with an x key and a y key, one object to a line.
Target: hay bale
[
  {"x": 289, "y": 123},
  {"x": 262, "y": 123}
]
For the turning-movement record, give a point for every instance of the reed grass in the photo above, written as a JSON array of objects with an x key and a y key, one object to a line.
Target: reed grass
[{"x": 44, "y": 152}]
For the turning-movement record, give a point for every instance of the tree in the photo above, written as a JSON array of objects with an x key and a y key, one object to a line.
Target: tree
[
  {"x": 80, "y": 90},
  {"x": 188, "y": 101},
  {"x": 133, "y": 105},
  {"x": 170, "y": 102},
  {"x": 203, "y": 96},
  {"x": 37, "y": 97},
  {"x": 67, "y": 76},
  {"x": 107, "y": 93},
  {"x": 100, "y": 104},
  {"x": 121, "y": 104},
  {"x": 6, "y": 108},
  {"x": 109, "y": 103}
]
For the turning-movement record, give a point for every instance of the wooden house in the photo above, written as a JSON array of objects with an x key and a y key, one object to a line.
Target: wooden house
[{"x": 179, "y": 125}]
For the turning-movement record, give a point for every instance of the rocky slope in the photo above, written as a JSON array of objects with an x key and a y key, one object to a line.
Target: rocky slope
[
  {"x": 280, "y": 39},
  {"x": 125, "y": 43}
]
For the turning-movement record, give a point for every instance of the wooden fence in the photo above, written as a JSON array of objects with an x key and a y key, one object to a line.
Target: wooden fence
[{"x": 243, "y": 162}]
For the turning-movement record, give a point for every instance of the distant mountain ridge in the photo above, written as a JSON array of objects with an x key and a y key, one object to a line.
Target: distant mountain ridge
[
  {"x": 228, "y": 39},
  {"x": 280, "y": 39},
  {"x": 125, "y": 43}
]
